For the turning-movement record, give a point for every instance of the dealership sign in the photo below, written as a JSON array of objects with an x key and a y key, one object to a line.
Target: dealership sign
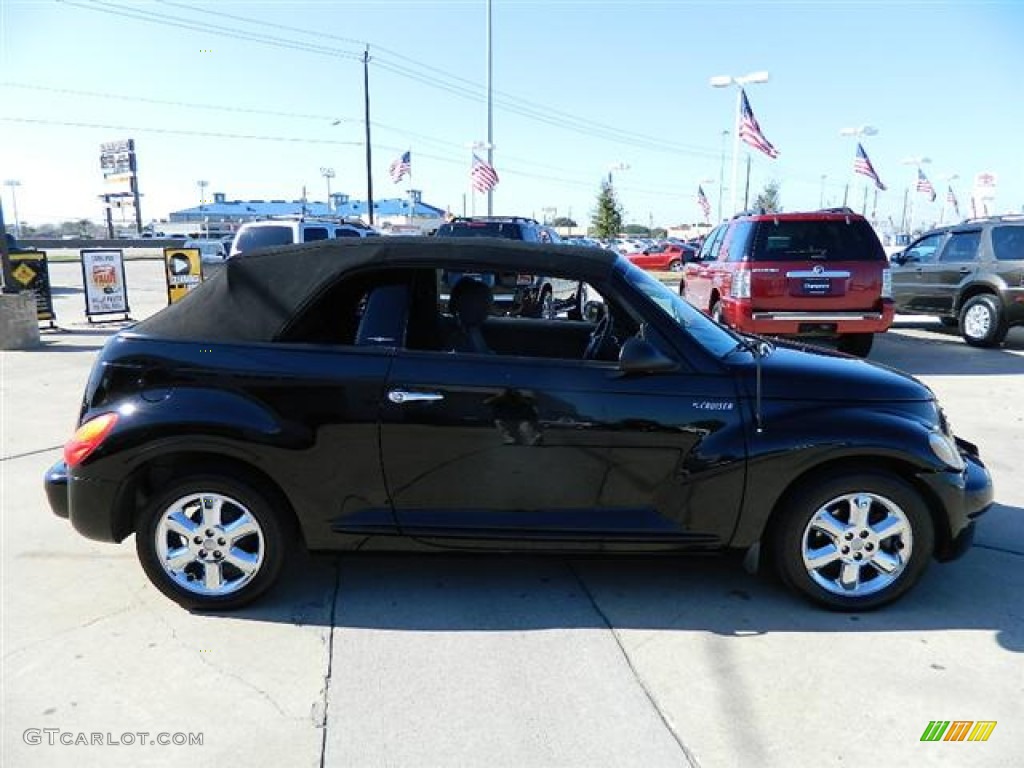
[{"x": 103, "y": 277}]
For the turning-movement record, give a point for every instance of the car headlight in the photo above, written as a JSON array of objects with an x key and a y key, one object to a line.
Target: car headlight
[{"x": 944, "y": 448}]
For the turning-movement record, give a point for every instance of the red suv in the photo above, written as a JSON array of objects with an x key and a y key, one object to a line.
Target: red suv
[{"x": 822, "y": 273}]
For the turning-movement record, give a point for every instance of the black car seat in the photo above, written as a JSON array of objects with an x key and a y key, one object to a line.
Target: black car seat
[
  {"x": 470, "y": 305},
  {"x": 384, "y": 319}
]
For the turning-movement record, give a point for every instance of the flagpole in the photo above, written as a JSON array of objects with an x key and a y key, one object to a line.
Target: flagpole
[
  {"x": 736, "y": 152},
  {"x": 490, "y": 111}
]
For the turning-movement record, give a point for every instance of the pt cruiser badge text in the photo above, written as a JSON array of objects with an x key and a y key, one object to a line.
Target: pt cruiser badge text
[
  {"x": 53, "y": 736},
  {"x": 711, "y": 405}
]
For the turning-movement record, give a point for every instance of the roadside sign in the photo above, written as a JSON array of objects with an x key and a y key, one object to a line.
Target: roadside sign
[
  {"x": 105, "y": 290},
  {"x": 183, "y": 271},
  {"x": 31, "y": 272}
]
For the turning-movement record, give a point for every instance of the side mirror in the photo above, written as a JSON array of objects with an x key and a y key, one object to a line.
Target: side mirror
[
  {"x": 640, "y": 356},
  {"x": 900, "y": 257}
]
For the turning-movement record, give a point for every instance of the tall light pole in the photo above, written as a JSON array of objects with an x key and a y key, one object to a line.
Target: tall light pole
[
  {"x": 721, "y": 175},
  {"x": 908, "y": 219},
  {"x": 328, "y": 174},
  {"x": 13, "y": 185},
  {"x": 858, "y": 132},
  {"x": 490, "y": 112},
  {"x": 202, "y": 184},
  {"x": 724, "y": 81},
  {"x": 821, "y": 197}
]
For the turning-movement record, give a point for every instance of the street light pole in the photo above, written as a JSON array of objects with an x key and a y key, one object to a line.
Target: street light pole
[
  {"x": 724, "y": 81},
  {"x": 490, "y": 112},
  {"x": 13, "y": 185},
  {"x": 202, "y": 184},
  {"x": 328, "y": 174},
  {"x": 721, "y": 175},
  {"x": 821, "y": 197}
]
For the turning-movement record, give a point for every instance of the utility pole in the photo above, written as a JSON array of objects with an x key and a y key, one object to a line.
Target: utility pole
[
  {"x": 366, "y": 120},
  {"x": 490, "y": 112}
]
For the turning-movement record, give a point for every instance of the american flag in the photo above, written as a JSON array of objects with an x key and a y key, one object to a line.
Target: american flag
[
  {"x": 750, "y": 131},
  {"x": 702, "y": 201},
  {"x": 951, "y": 199},
  {"x": 863, "y": 166},
  {"x": 923, "y": 185},
  {"x": 484, "y": 177},
  {"x": 401, "y": 168}
]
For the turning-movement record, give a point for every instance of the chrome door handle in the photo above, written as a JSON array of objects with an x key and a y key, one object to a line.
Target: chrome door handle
[
  {"x": 400, "y": 396},
  {"x": 965, "y": 270}
]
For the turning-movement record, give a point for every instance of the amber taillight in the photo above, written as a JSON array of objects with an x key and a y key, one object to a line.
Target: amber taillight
[{"x": 87, "y": 438}]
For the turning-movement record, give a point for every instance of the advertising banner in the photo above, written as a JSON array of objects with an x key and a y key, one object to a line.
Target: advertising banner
[
  {"x": 183, "y": 272},
  {"x": 31, "y": 272},
  {"x": 103, "y": 276}
]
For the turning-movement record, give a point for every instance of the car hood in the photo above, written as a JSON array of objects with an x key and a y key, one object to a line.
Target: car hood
[{"x": 802, "y": 372}]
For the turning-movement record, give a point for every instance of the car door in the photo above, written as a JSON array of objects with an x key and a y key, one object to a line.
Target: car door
[
  {"x": 958, "y": 262},
  {"x": 912, "y": 274},
  {"x": 479, "y": 448}
]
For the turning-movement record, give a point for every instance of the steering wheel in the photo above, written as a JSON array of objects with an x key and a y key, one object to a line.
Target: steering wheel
[{"x": 599, "y": 337}]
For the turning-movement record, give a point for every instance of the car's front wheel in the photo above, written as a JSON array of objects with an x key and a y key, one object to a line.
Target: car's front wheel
[
  {"x": 853, "y": 541},
  {"x": 210, "y": 542},
  {"x": 982, "y": 323}
]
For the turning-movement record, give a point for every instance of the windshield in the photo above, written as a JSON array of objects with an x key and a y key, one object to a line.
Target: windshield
[
  {"x": 481, "y": 229},
  {"x": 262, "y": 237},
  {"x": 705, "y": 331}
]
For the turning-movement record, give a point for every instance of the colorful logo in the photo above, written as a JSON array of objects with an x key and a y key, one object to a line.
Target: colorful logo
[{"x": 958, "y": 730}]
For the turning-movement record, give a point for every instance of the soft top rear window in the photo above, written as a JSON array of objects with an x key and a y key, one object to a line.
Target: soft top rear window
[
  {"x": 481, "y": 229},
  {"x": 830, "y": 240},
  {"x": 262, "y": 237}
]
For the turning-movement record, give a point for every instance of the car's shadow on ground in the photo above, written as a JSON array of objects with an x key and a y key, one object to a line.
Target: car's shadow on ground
[
  {"x": 927, "y": 348},
  {"x": 487, "y": 592}
]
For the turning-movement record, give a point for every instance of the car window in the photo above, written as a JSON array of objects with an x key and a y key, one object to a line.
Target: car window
[
  {"x": 345, "y": 232},
  {"x": 315, "y": 233},
  {"x": 961, "y": 246},
  {"x": 924, "y": 250},
  {"x": 504, "y": 229},
  {"x": 821, "y": 240},
  {"x": 710, "y": 242},
  {"x": 734, "y": 247},
  {"x": 263, "y": 237},
  {"x": 705, "y": 331},
  {"x": 1008, "y": 243}
]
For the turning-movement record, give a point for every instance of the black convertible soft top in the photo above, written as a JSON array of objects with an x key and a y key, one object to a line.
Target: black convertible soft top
[{"x": 255, "y": 297}]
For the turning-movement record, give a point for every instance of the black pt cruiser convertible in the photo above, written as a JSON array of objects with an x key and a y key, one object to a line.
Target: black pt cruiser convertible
[{"x": 345, "y": 396}]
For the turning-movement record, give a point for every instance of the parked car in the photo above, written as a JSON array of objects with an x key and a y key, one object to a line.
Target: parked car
[
  {"x": 266, "y": 233},
  {"x": 821, "y": 273},
  {"x": 531, "y": 295},
  {"x": 323, "y": 394},
  {"x": 210, "y": 251},
  {"x": 665, "y": 257},
  {"x": 971, "y": 276}
]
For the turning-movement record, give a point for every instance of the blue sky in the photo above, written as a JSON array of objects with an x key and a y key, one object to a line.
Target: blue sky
[{"x": 579, "y": 87}]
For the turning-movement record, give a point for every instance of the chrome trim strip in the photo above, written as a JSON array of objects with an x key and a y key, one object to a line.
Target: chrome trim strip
[
  {"x": 809, "y": 273},
  {"x": 813, "y": 317}
]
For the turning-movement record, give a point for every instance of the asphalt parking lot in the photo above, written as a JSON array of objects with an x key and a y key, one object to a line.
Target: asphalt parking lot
[{"x": 493, "y": 660}]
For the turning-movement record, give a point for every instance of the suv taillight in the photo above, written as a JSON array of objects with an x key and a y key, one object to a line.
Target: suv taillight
[
  {"x": 87, "y": 438},
  {"x": 740, "y": 288},
  {"x": 886, "y": 283}
]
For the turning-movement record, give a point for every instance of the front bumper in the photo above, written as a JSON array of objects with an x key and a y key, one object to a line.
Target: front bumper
[{"x": 964, "y": 496}]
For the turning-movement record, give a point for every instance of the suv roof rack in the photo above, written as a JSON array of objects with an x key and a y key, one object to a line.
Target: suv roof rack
[
  {"x": 1000, "y": 217},
  {"x": 510, "y": 219},
  {"x": 840, "y": 209}
]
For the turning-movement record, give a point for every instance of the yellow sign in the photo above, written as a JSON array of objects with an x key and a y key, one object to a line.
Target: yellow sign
[
  {"x": 24, "y": 274},
  {"x": 183, "y": 272}
]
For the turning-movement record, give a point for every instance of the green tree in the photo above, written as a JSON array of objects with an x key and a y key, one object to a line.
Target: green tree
[
  {"x": 564, "y": 221},
  {"x": 768, "y": 200},
  {"x": 607, "y": 217}
]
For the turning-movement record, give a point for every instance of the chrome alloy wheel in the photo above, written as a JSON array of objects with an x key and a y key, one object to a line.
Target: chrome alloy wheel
[
  {"x": 209, "y": 544},
  {"x": 857, "y": 544},
  {"x": 977, "y": 321}
]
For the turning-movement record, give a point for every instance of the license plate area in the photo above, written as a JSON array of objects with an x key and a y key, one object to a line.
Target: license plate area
[{"x": 815, "y": 286}]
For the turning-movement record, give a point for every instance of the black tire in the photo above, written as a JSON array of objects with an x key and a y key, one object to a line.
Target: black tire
[
  {"x": 982, "y": 321},
  {"x": 845, "y": 551},
  {"x": 675, "y": 266},
  {"x": 858, "y": 344},
  {"x": 264, "y": 549}
]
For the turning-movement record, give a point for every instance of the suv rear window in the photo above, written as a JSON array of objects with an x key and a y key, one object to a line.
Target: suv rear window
[
  {"x": 824, "y": 240},
  {"x": 504, "y": 229},
  {"x": 263, "y": 237},
  {"x": 1008, "y": 243}
]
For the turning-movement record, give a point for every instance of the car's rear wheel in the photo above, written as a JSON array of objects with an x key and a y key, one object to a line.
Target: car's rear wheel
[
  {"x": 211, "y": 542},
  {"x": 675, "y": 266},
  {"x": 982, "y": 321},
  {"x": 717, "y": 314},
  {"x": 853, "y": 540},
  {"x": 858, "y": 344}
]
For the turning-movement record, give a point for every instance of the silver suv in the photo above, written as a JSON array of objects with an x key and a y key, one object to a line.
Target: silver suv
[
  {"x": 287, "y": 231},
  {"x": 970, "y": 275}
]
